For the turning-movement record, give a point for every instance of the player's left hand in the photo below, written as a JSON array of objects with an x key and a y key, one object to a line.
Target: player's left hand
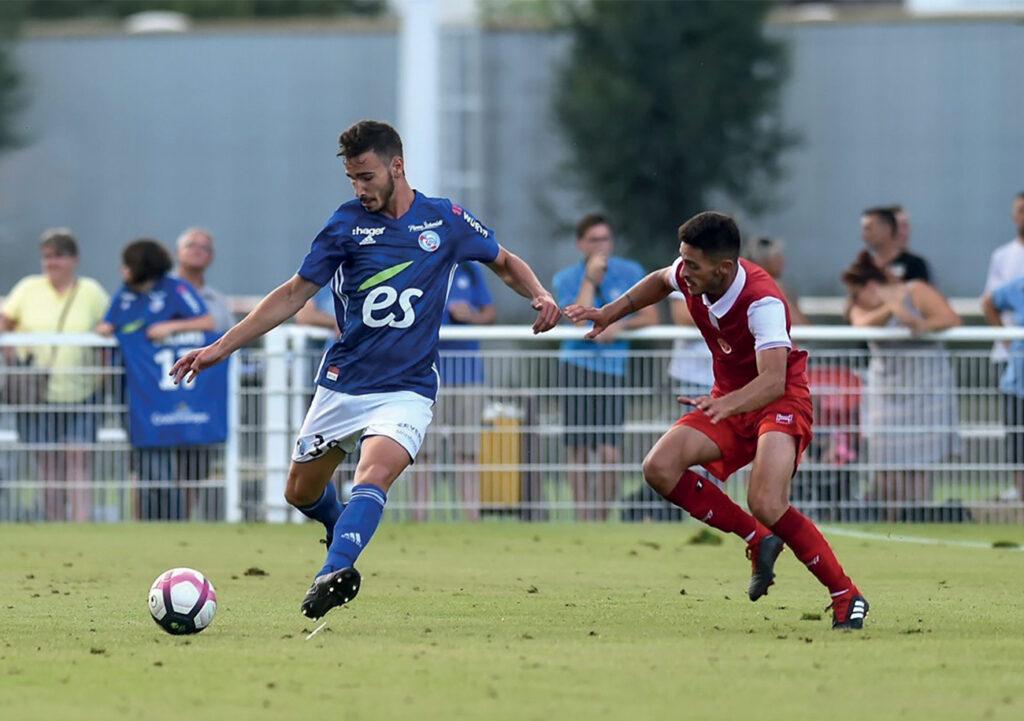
[
  {"x": 717, "y": 409},
  {"x": 548, "y": 313},
  {"x": 585, "y": 313}
]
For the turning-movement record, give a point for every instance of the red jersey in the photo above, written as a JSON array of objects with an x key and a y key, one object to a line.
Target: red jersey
[{"x": 752, "y": 315}]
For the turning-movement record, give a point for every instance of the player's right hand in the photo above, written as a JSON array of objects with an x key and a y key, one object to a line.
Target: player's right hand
[
  {"x": 548, "y": 313},
  {"x": 195, "y": 361}
]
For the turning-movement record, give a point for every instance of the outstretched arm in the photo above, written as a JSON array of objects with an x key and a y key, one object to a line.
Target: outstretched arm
[
  {"x": 517, "y": 275},
  {"x": 653, "y": 288},
  {"x": 276, "y": 307}
]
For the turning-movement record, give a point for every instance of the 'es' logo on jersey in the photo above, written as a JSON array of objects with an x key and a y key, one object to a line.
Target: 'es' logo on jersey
[
  {"x": 726, "y": 348},
  {"x": 430, "y": 241}
]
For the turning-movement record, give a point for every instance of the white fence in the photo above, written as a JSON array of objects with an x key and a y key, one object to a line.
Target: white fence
[{"x": 905, "y": 431}]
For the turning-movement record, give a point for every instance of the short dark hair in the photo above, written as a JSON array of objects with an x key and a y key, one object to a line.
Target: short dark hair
[
  {"x": 1020, "y": 195},
  {"x": 60, "y": 241},
  {"x": 885, "y": 215},
  {"x": 373, "y": 135},
  {"x": 146, "y": 260},
  {"x": 588, "y": 221},
  {"x": 714, "y": 233},
  {"x": 863, "y": 270}
]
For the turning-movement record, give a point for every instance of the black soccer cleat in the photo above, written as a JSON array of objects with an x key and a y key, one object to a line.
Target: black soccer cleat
[
  {"x": 849, "y": 610},
  {"x": 762, "y": 555},
  {"x": 329, "y": 590}
]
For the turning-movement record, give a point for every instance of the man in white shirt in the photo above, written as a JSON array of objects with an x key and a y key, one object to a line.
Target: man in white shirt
[{"x": 1006, "y": 264}]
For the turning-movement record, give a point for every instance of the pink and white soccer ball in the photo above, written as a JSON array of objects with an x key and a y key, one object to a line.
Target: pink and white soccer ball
[{"x": 182, "y": 600}]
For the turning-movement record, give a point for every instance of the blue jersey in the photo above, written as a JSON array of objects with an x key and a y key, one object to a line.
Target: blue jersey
[
  {"x": 390, "y": 278},
  {"x": 620, "y": 276},
  {"x": 468, "y": 287},
  {"x": 162, "y": 414},
  {"x": 170, "y": 299}
]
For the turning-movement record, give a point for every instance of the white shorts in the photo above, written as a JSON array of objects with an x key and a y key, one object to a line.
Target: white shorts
[{"x": 340, "y": 420}]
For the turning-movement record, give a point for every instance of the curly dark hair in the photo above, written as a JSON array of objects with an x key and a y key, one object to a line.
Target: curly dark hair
[{"x": 146, "y": 260}]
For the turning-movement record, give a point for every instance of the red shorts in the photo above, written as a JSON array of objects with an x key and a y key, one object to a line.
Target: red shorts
[{"x": 737, "y": 435}]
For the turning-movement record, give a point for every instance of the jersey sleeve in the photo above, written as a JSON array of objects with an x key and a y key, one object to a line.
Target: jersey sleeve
[
  {"x": 111, "y": 316},
  {"x": 766, "y": 318},
  {"x": 475, "y": 240},
  {"x": 673, "y": 275},
  {"x": 325, "y": 254},
  {"x": 187, "y": 302}
]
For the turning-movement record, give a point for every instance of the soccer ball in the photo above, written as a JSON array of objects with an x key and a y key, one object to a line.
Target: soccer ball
[{"x": 182, "y": 601}]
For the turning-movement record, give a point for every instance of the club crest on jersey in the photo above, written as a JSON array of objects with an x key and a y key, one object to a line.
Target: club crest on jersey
[
  {"x": 726, "y": 348},
  {"x": 156, "y": 301},
  {"x": 429, "y": 241}
]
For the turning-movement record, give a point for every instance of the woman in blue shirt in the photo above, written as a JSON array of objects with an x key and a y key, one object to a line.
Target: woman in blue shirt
[{"x": 150, "y": 302}]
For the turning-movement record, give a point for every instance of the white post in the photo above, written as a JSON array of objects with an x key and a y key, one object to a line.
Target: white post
[
  {"x": 232, "y": 477},
  {"x": 277, "y": 438},
  {"x": 419, "y": 92}
]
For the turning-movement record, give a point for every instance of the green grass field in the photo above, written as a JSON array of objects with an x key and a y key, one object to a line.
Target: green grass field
[{"x": 508, "y": 621}]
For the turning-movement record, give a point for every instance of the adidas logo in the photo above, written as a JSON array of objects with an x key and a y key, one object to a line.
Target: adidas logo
[
  {"x": 368, "y": 241},
  {"x": 814, "y": 561},
  {"x": 354, "y": 538},
  {"x": 858, "y": 609}
]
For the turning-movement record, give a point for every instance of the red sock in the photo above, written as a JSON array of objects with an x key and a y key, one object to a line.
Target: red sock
[
  {"x": 803, "y": 537},
  {"x": 706, "y": 502}
]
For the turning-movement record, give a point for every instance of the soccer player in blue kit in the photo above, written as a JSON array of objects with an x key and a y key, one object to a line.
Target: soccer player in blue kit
[{"x": 390, "y": 256}]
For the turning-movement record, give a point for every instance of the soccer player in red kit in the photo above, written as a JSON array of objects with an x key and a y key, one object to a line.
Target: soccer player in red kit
[{"x": 759, "y": 409}]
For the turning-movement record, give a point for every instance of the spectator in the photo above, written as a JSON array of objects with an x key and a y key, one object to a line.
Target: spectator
[
  {"x": 596, "y": 369},
  {"x": 879, "y": 230},
  {"x": 59, "y": 301},
  {"x": 910, "y": 383},
  {"x": 469, "y": 303},
  {"x": 768, "y": 253},
  {"x": 1005, "y": 265},
  {"x": 195, "y": 255},
  {"x": 1004, "y": 306},
  {"x": 159, "y": 306}
]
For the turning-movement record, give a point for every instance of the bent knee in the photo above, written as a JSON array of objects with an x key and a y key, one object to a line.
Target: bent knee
[
  {"x": 766, "y": 507},
  {"x": 659, "y": 474}
]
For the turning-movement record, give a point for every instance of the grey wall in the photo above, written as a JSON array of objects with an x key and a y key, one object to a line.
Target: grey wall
[
  {"x": 928, "y": 115},
  {"x": 143, "y": 136},
  {"x": 139, "y": 136}
]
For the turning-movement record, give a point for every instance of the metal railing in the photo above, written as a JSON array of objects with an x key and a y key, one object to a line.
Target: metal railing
[{"x": 905, "y": 430}]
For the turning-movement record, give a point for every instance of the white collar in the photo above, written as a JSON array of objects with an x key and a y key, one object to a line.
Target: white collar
[{"x": 724, "y": 304}]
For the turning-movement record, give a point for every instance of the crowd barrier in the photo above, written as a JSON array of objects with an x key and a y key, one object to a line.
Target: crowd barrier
[{"x": 905, "y": 431}]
